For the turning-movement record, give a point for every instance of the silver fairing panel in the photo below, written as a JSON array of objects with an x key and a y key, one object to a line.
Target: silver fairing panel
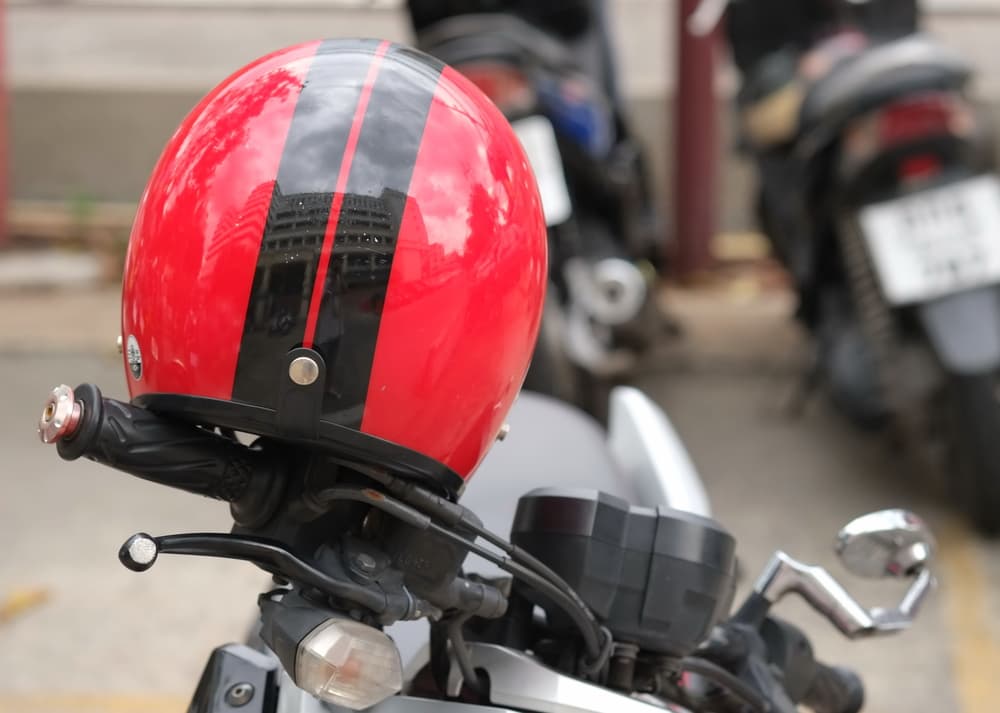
[
  {"x": 516, "y": 680},
  {"x": 651, "y": 456},
  {"x": 294, "y": 700},
  {"x": 519, "y": 681}
]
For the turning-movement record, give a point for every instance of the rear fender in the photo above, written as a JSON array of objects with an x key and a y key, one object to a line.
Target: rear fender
[{"x": 964, "y": 330}]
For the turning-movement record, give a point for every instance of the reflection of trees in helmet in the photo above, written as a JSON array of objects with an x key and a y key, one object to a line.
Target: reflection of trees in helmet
[{"x": 221, "y": 132}]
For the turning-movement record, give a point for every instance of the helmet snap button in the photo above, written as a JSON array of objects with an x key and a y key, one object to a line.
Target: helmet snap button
[{"x": 303, "y": 371}]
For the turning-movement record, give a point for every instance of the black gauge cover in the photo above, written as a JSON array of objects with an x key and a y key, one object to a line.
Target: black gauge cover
[{"x": 659, "y": 578}]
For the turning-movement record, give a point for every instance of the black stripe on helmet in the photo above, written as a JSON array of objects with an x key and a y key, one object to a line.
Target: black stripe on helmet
[
  {"x": 368, "y": 229},
  {"x": 298, "y": 216}
]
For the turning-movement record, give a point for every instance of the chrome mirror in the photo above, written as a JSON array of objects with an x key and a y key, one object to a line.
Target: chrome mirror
[{"x": 887, "y": 543}]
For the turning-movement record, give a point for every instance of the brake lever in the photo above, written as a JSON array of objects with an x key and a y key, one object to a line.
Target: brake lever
[{"x": 140, "y": 552}]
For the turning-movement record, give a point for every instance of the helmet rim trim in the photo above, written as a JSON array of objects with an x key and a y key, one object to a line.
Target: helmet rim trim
[{"x": 352, "y": 444}]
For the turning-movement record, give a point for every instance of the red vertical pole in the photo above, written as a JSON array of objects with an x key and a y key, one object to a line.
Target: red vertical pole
[{"x": 695, "y": 147}]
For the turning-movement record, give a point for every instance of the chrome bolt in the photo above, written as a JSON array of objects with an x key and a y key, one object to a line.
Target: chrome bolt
[
  {"x": 239, "y": 695},
  {"x": 303, "y": 371},
  {"x": 119, "y": 344},
  {"x": 504, "y": 430}
]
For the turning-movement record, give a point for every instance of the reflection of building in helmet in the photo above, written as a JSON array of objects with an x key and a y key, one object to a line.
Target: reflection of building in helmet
[
  {"x": 366, "y": 238},
  {"x": 360, "y": 263},
  {"x": 286, "y": 266}
]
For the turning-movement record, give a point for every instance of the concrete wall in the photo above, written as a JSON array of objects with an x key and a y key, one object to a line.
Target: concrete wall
[{"x": 98, "y": 85}]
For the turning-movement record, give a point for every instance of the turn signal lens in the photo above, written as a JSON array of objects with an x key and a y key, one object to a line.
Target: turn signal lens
[{"x": 349, "y": 664}]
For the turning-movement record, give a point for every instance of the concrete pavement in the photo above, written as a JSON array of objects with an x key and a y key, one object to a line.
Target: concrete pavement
[{"x": 105, "y": 639}]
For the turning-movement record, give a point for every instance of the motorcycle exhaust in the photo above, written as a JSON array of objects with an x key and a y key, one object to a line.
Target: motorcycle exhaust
[{"x": 611, "y": 291}]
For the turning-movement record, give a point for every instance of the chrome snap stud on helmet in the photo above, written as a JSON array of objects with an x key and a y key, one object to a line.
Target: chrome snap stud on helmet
[{"x": 342, "y": 245}]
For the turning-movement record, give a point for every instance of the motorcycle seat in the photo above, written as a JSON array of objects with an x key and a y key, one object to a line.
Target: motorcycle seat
[
  {"x": 465, "y": 38},
  {"x": 879, "y": 74}
]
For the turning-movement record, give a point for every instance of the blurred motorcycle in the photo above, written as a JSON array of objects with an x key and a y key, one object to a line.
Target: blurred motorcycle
[
  {"x": 593, "y": 604},
  {"x": 878, "y": 192},
  {"x": 548, "y": 67}
]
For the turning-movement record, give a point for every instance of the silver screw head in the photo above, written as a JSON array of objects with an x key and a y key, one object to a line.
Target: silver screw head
[
  {"x": 504, "y": 430},
  {"x": 120, "y": 344},
  {"x": 303, "y": 371},
  {"x": 239, "y": 694}
]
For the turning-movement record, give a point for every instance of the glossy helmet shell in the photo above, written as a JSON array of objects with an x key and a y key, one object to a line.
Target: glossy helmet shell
[{"x": 358, "y": 205}]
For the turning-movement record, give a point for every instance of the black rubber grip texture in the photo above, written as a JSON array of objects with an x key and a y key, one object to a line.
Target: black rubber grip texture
[
  {"x": 148, "y": 446},
  {"x": 835, "y": 690}
]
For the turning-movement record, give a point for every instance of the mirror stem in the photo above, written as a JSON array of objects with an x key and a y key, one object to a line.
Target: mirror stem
[{"x": 784, "y": 574}]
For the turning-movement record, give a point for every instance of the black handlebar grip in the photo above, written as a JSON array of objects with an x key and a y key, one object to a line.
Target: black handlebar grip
[
  {"x": 834, "y": 690},
  {"x": 148, "y": 446}
]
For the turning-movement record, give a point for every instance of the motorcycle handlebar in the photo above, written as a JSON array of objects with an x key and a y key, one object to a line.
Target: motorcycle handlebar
[
  {"x": 821, "y": 688},
  {"x": 141, "y": 443},
  {"x": 834, "y": 690}
]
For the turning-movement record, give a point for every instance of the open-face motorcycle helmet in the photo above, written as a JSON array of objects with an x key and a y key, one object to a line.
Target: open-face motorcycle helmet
[{"x": 342, "y": 246}]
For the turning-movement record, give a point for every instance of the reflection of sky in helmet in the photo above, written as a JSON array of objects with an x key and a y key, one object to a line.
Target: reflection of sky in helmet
[
  {"x": 447, "y": 219},
  {"x": 398, "y": 111}
]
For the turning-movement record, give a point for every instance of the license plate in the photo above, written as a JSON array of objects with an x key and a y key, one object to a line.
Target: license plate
[
  {"x": 937, "y": 241},
  {"x": 539, "y": 141}
]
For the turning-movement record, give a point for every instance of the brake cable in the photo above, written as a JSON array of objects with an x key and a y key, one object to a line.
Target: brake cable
[
  {"x": 425, "y": 507},
  {"x": 453, "y": 514},
  {"x": 582, "y": 617}
]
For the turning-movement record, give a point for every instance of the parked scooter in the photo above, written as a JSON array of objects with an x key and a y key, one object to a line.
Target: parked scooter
[
  {"x": 635, "y": 599},
  {"x": 878, "y": 192},
  {"x": 550, "y": 70}
]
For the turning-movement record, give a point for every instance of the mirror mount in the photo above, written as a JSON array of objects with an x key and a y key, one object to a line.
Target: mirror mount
[
  {"x": 784, "y": 574},
  {"x": 888, "y": 543}
]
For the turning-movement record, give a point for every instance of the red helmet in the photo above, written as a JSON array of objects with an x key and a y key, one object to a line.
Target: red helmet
[{"x": 342, "y": 245}]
